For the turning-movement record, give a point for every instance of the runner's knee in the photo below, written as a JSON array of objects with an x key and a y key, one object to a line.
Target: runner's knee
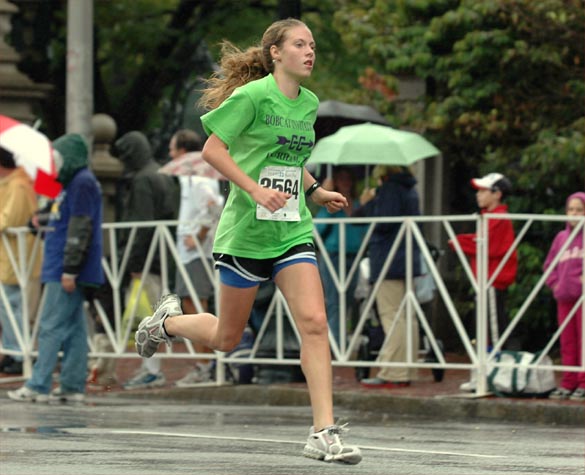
[{"x": 315, "y": 323}]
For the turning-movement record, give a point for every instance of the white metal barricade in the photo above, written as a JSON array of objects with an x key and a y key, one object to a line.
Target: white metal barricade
[{"x": 344, "y": 353}]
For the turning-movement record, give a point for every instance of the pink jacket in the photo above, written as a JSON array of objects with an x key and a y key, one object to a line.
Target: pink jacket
[{"x": 565, "y": 279}]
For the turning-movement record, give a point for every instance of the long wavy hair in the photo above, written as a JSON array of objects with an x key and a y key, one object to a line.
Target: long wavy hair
[{"x": 238, "y": 67}]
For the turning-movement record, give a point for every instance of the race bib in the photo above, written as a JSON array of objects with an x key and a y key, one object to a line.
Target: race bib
[{"x": 287, "y": 179}]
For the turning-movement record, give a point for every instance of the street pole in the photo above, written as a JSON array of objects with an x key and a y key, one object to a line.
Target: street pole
[{"x": 79, "y": 67}]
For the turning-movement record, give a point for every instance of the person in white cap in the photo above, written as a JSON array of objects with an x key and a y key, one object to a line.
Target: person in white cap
[{"x": 492, "y": 189}]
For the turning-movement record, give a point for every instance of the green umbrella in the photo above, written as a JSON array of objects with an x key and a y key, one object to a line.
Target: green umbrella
[{"x": 372, "y": 144}]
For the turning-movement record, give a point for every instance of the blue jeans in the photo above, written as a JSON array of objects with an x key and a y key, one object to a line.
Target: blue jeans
[
  {"x": 62, "y": 327},
  {"x": 331, "y": 293},
  {"x": 9, "y": 341}
]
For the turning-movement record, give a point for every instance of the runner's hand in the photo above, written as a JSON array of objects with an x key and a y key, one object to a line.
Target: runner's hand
[
  {"x": 332, "y": 200},
  {"x": 271, "y": 199}
]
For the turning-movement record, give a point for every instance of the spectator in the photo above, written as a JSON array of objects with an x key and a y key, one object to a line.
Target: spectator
[
  {"x": 395, "y": 196},
  {"x": 150, "y": 196},
  {"x": 71, "y": 263},
  {"x": 18, "y": 203},
  {"x": 343, "y": 181},
  {"x": 492, "y": 190},
  {"x": 566, "y": 282},
  {"x": 201, "y": 203},
  {"x": 102, "y": 370}
]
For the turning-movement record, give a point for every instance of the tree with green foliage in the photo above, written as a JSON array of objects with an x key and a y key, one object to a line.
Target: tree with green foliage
[
  {"x": 148, "y": 54},
  {"x": 505, "y": 92},
  {"x": 504, "y": 81},
  {"x": 151, "y": 55}
]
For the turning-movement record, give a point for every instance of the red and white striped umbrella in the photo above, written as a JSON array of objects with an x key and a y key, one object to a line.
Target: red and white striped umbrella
[{"x": 32, "y": 151}]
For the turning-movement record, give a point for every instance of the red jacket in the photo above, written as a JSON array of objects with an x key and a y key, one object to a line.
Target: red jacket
[{"x": 500, "y": 237}]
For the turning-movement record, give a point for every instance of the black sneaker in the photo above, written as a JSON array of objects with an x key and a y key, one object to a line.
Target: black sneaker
[
  {"x": 6, "y": 361},
  {"x": 14, "y": 368}
]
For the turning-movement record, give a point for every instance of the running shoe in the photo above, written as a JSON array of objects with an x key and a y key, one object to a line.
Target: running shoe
[
  {"x": 469, "y": 386},
  {"x": 145, "y": 380},
  {"x": 6, "y": 361},
  {"x": 25, "y": 394},
  {"x": 560, "y": 393},
  {"x": 62, "y": 395},
  {"x": 151, "y": 332},
  {"x": 327, "y": 445},
  {"x": 10, "y": 366},
  {"x": 578, "y": 395},
  {"x": 203, "y": 373}
]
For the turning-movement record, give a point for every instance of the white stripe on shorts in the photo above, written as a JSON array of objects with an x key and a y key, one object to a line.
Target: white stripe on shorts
[
  {"x": 301, "y": 255},
  {"x": 238, "y": 269}
]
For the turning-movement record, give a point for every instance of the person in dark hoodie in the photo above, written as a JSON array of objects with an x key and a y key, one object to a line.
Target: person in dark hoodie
[
  {"x": 71, "y": 262},
  {"x": 395, "y": 196},
  {"x": 149, "y": 196},
  {"x": 566, "y": 282}
]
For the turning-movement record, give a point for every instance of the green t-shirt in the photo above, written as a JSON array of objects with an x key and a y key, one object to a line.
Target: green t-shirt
[{"x": 264, "y": 128}]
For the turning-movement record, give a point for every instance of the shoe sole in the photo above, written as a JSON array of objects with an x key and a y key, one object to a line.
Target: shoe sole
[
  {"x": 148, "y": 386},
  {"x": 151, "y": 385},
  {"x": 40, "y": 400},
  {"x": 66, "y": 399},
  {"x": 468, "y": 390},
  {"x": 346, "y": 459},
  {"x": 144, "y": 346}
]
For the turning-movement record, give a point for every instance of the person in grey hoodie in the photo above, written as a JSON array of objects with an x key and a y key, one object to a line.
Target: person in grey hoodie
[
  {"x": 149, "y": 196},
  {"x": 566, "y": 282}
]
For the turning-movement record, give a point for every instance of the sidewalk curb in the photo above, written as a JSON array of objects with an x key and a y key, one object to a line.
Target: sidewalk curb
[{"x": 382, "y": 406}]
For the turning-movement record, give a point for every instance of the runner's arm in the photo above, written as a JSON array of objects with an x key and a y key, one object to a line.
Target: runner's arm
[
  {"x": 332, "y": 200},
  {"x": 215, "y": 152}
]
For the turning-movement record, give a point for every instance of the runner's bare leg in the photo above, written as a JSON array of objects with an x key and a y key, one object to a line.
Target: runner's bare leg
[
  {"x": 221, "y": 333},
  {"x": 301, "y": 286}
]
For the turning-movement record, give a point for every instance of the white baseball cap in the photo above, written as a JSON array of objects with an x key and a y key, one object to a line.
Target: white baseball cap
[{"x": 493, "y": 182}]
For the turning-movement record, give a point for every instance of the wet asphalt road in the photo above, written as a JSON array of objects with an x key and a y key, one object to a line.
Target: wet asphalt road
[{"x": 109, "y": 436}]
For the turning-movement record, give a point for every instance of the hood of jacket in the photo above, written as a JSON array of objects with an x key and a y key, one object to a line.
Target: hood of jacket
[
  {"x": 133, "y": 151},
  {"x": 405, "y": 179},
  {"x": 580, "y": 195},
  {"x": 74, "y": 151}
]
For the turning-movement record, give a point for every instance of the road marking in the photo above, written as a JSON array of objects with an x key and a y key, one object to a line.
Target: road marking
[{"x": 279, "y": 441}]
